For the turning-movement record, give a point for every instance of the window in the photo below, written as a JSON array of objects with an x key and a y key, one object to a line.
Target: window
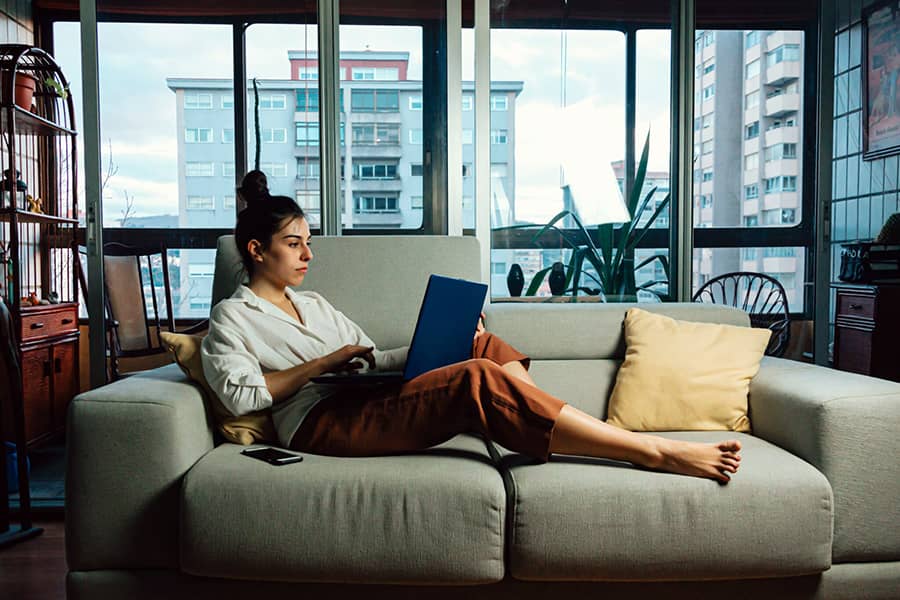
[
  {"x": 227, "y": 169},
  {"x": 467, "y": 169},
  {"x": 198, "y": 101},
  {"x": 779, "y": 252},
  {"x": 709, "y": 67},
  {"x": 307, "y": 169},
  {"x": 709, "y": 91},
  {"x": 785, "y": 52},
  {"x": 415, "y": 136},
  {"x": 307, "y": 133},
  {"x": 273, "y": 169},
  {"x": 374, "y": 171},
  {"x": 780, "y": 151},
  {"x": 308, "y": 201},
  {"x": 199, "y": 304},
  {"x": 778, "y": 124},
  {"x": 499, "y": 102},
  {"x": 415, "y": 102},
  {"x": 752, "y": 69},
  {"x": 415, "y": 170},
  {"x": 467, "y": 102},
  {"x": 706, "y": 200},
  {"x": 272, "y": 102},
  {"x": 749, "y": 253},
  {"x": 228, "y": 201},
  {"x": 772, "y": 217},
  {"x": 201, "y": 203},
  {"x": 378, "y": 133},
  {"x": 708, "y": 39},
  {"x": 751, "y": 39},
  {"x": 375, "y": 100},
  {"x": 199, "y": 169},
  {"x": 376, "y": 204},
  {"x": 375, "y": 73},
  {"x": 276, "y": 135},
  {"x": 751, "y": 192},
  {"x": 307, "y": 73},
  {"x": 498, "y": 268},
  {"x": 751, "y": 100},
  {"x": 706, "y": 147},
  {"x": 751, "y": 131},
  {"x": 751, "y": 221},
  {"x": 498, "y": 136},
  {"x": 707, "y": 175},
  {"x": 751, "y": 161},
  {"x": 228, "y": 101},
  {"x": 789, "y": 183},
  {"x": 415, "y": 202},
  {"x": 228, "y": 135},
  {"x": 201, "y": 270},
  {"x": 198, "y": 135},
  {"x": 467, "y": 136},
  {"x": 308, "y": 100}
]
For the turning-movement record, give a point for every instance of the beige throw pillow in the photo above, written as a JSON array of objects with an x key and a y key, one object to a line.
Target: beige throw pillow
[
  {"x": 681, "y": 375},
  {"x": 246, "y": 429}
]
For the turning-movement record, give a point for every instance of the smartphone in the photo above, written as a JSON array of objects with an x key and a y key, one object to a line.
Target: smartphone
[{"x": 273, "y": 456}]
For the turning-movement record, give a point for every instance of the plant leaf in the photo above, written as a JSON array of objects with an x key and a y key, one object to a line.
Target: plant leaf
[
  {"x": 536, "y": 281},
  {"x": 649, "y": 224}
]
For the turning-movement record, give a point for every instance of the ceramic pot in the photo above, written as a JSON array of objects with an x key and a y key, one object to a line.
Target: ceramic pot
[
  {"x": 25, "y": 86},
  {"x": 515, "y": 280},
  {"x": 557, "y": 279}
]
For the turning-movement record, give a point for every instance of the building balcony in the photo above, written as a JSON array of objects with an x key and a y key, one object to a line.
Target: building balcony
[
  {"x": 780, "y": 264},
  {"x": 377, "y": 185},
  {"x": 750, "y": 207},
  {"x": 375, "y": 117},
  {"x": 378, "y": 219},
  {"x": 783, "y": 135},
  {"x": 783, "y": 104},
  {"x": 783, "y": 72},
  {"x": 751, "y": 176},
  {"x": 779, "y": 38},
  {"x": 383, "y": 150},
  {"x": 781, "y": 200},
  {"x": 784, "y": 166},
  {"x": 751, "y": 145}
]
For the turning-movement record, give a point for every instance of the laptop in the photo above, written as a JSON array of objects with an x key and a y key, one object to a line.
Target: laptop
[{"x": 443, "y": 335}]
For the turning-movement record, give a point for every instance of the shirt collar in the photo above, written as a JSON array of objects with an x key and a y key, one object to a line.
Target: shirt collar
[{"x": 246, "y": 295}]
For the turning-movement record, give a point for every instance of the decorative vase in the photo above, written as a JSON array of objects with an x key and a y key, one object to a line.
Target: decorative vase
[
  {"x": 557, "y": 279},
  {"x": 515, "y": 280}
]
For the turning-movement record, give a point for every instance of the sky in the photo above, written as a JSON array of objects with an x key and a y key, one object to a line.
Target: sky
[{"x": 569, "y": 117}]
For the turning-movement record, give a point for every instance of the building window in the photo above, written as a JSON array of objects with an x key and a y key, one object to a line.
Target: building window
[
  {"x": 781, "y": 151},
  {"x": 499, "y": 102},
  {"x": 307, "y": 133},
  {"x": 199, "y": 304},
  {"x": 198, "y": 101},
  {"x": 227, "y": 169},
  {"x": 205, "y": 270},
  {"x": 709, "y": 91},
  {"x": 751, "y": 131},
  {"x": 307, "y": 169},
  {"x": 273, "y": 135},
  {"x": 706, "y": 147},
  {"x": 498, "y": 268},
  {"x": 498, "y": 136},
  {"x": 373, "y": 134},
  {"x": 374, "y": 171},
  {"x": 786, "y": 183},
  {"x": 708, "y": 39},
  {"x": 706, "y": 200},
  {"x": 749, "y": 253},
  {"x": 752, "y": 69},
  {"x": 376, "y": 204},
  {"x": 751, "y": 39},
  {"x": 751, "y": 221},
  {"x": 415, "y": 170},
  {"x": 308, "y": 100},
  {"x": 228, "y": 136},
  {"x": 415, "y": 202},
  {"x": 751, "y": 100},
  {"x": 274, "y": 169},
  {"x": 778, "y": 124},
  {"x": 201, "y": 203},
  {"x": 375, "y": 73},
  {"x": 198, "y": 135},
  {"x": 415, "y": 102},
  {"x": 751, "y": 192},
  {"x": 467, "y": 136},
  {"x": 467, "y": 169},
  {"x": 272, "y": 102},
  {"x": 228, "y": 101},
  {"x": 415, "y": 136},
  {"x": 308, "y": 201},
  {"x": 375, "y": 100},
  {"x": 467, "y": 102},
  {"x": 709, "y": 67},
  {"x": 228, "y": 202},
  {"x": 780, "y": 251},
  {"x": 782, "y": 53},
  {"x": 707, "y": 175},
  {"x": 751, "y": 161},
  {"x": 307, "y": 73},
  {"x": 199, "y": 169}
]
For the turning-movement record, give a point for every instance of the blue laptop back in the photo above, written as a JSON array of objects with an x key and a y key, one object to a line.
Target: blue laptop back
[{"x": 446, "y": 325}]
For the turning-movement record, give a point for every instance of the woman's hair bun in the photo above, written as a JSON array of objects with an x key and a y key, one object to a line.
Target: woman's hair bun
[{"x": 254, "y": 188}]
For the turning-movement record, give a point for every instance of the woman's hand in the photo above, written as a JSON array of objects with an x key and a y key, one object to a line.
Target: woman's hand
[
  {"x": 342, "y": 360},
  {"x": 479, "y": 329}
]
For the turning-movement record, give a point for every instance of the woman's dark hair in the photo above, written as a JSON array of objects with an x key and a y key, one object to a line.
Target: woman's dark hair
[
  {"x": 254, "y": 186},
  {"x": 263, "y": 217}
]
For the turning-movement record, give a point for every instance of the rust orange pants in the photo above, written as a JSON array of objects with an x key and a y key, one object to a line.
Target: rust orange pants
[{"x": 474, "y": 395}]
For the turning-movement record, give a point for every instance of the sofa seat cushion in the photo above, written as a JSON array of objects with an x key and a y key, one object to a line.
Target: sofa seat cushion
[
  {"x": 431, "y": 517},
  {"x": 581, "y": 518}
]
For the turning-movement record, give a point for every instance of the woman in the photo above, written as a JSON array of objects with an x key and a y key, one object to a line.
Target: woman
[{"x": 266, "y": 341}]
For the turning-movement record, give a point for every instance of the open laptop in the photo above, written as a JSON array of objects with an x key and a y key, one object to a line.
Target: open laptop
[{"x": 447, "y": 320}]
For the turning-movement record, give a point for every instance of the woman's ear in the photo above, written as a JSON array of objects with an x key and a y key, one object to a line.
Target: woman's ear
[{"x": 255, "y": 250}]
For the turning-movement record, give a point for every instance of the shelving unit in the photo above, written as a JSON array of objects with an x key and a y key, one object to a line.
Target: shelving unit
[{"x": 38, "y": 150}]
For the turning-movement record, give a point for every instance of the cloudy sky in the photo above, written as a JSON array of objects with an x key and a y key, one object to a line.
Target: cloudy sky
[{"x": 582, "y": 134}]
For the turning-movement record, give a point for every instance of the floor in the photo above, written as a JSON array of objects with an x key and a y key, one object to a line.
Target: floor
[
  {"x": 36, "y": 568},
  {"x": 47, "y": 476}
]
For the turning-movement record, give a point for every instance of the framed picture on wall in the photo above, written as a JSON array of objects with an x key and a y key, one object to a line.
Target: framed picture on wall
[{"x": 881, "y": 79}]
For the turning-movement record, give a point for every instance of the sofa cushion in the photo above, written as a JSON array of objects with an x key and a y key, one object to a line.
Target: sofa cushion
[
  {"x": 580, "y": 518},
  {"x": 430, "y": 517}
]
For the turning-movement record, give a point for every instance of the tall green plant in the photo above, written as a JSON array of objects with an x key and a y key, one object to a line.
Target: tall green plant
[{"x": 613, "y": 256}]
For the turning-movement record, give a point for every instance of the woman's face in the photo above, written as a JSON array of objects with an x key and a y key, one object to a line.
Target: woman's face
[{"x": 286, "y": 260}]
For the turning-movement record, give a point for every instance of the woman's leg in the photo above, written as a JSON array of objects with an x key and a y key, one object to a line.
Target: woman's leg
[{"x": 493, "y": 347}]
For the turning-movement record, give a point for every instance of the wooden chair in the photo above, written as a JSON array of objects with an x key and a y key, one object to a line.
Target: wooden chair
[{"x": 761, "y": 296}]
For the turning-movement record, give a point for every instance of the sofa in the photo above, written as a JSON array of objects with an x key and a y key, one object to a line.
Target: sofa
[{"x": 158, "y": 505}]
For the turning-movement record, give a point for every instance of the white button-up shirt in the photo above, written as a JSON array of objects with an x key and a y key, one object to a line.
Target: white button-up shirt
[{"x": 249, "y": 336}]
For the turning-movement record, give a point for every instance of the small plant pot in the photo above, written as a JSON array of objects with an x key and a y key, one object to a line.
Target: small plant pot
[{"x": 25, "y": 86}]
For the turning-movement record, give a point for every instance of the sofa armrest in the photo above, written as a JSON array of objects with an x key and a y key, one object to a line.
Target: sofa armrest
[
  {"x": 848, "y": 427},
  {"x": 128, "y": 444}
]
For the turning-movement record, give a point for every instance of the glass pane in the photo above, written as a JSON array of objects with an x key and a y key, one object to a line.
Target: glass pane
[
  {"x": 166, "y": 121},
  {"x": 786, "y": 264}
]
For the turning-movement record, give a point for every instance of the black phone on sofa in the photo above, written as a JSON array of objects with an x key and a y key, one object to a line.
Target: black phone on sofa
[{"x": 273, "y": 456}]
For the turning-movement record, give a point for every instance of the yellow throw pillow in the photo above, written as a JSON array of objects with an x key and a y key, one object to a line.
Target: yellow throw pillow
[
  {"x": 246, "y": 429},
  {"x": 681, "y": 375}
]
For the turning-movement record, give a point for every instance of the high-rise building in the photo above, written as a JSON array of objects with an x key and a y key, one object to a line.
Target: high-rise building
[{"x": 381, "y": 149}]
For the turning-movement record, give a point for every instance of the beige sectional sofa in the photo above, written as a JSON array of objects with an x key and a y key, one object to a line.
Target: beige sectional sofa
[{"x": 159, "y": 507}]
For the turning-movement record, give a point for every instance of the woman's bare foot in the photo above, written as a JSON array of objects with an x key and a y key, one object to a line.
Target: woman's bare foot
[{"x": 713, "y": 461}]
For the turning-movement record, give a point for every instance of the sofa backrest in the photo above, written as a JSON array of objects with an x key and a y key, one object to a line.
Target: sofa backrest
[{"x": 377, "y": 281}]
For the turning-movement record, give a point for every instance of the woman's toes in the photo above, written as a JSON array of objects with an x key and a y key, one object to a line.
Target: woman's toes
[
  {"x": 730, "y": 462},
  {"x": 731, "y": 455},
  {"x": 730, "y": 446},
  {"x": 722, "y": 476},
  {"x": 729, "y": 468}
]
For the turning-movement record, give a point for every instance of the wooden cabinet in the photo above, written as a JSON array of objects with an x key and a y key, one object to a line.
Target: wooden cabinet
[{"x": 867, "y": 329}]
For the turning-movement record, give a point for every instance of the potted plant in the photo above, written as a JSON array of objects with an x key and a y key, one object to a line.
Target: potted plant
[
  {"x": 25, "y": 85},
  {"x": 56, "y": 87},
  {"x": 613, "y": 260}
]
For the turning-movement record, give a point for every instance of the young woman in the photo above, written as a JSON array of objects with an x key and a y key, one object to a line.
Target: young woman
[{"x": 267, "y": 340}]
